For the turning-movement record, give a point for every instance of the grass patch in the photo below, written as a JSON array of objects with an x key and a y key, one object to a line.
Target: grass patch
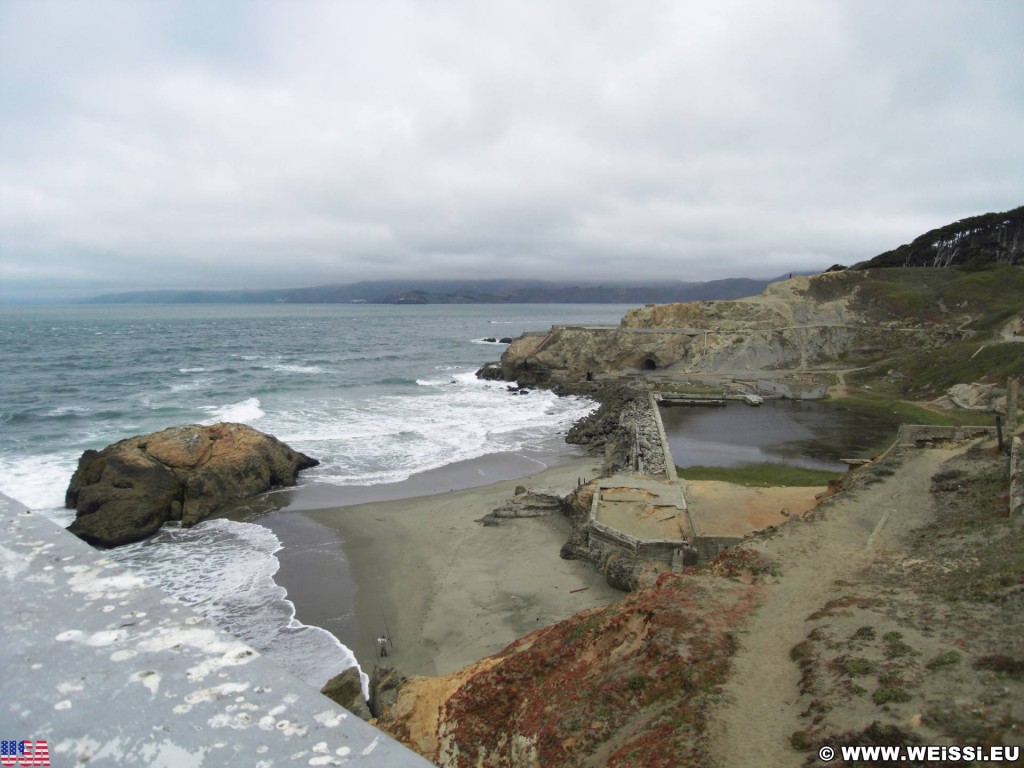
[
  {"x": 858, "y": 667},
  {"x": 890, "y": 694},
  {"x": 928, "y": 373},
  {"x": 910, "y": 413},
  {"x": 947, "y": 659},
  {"x": 925, "y": 294},
  {"x": 762, "y": 475},
  {"x": 895, "y": 647}
]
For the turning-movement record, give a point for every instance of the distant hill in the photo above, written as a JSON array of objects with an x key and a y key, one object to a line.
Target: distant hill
[
  {"x": 975, "y": 242},
  {"x": 460, "y": 292}
]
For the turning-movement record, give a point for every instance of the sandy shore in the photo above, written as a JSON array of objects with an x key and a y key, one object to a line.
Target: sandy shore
[{"x": 449, "y": 589}]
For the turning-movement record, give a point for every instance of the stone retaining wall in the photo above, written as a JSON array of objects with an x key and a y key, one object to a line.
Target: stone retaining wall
[
  {"x": 914, "y": 435},
  {"x": 604, "y": 540},
  {"x": 648, "y": 453}
]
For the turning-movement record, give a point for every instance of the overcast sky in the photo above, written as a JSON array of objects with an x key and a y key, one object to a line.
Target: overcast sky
[{"x": 286, "y": 144}]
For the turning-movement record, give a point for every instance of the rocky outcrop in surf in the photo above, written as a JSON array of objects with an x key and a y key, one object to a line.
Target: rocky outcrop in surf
[{"x": 126, "y": 491}]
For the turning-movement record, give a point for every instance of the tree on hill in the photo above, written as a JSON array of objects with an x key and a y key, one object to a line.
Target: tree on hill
[{"x": 972, "y": 243}]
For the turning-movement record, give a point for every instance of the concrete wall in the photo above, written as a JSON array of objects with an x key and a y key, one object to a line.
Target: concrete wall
[
  {"x": 667, "y": 460},
  {"x": 603, "y": 541},
  {"x": 911, "y": 435},
  {"x": 708, "y": 547}
]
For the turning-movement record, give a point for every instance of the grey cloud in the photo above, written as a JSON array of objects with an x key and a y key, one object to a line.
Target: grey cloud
[{"x": 309, "y": 142}]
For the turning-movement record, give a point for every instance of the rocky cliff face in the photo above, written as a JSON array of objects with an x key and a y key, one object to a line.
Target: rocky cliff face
[
  {"x": 794, "y": 325},
  {"x": 625, "y": 685},
  {"x": 125, "y": 492}
]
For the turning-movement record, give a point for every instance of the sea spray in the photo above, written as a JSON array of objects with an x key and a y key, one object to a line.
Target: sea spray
[{"x": 440, "y": 421}]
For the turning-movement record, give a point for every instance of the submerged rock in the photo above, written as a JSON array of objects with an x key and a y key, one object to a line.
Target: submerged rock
[{"x": 125, "y": 492}]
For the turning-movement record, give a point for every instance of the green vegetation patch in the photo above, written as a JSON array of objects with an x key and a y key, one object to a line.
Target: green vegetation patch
[
  {"x": 929, "y": 373},
  {"x": 762, "y": 475},
  {"x": 947, "y": 659},
  {"x": 909, "y": 413},
  {"x": 895, "y": 647},
  {"x": 929, "y": 294},
  {"x": 857, "y": 666},
  {"x": 978, "y": 301},
  {"x": 890, "y": 694}
]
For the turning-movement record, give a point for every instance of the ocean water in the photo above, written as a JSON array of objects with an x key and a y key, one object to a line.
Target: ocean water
[{"x": 377, "y": 393}]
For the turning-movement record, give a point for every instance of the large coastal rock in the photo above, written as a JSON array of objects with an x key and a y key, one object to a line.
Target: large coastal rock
[
  {"x": 125, "y": 492},
  {"x": 346, "y": 689}
]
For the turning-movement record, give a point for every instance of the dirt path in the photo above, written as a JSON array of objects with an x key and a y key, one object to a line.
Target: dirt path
[{"x": 761, "y": 708}]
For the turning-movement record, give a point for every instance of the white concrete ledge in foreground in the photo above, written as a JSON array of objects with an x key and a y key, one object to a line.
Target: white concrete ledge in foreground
[{"x": 108, "y": 670}]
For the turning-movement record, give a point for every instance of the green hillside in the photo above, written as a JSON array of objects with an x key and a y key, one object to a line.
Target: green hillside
[{"x": 974, "y": 242}]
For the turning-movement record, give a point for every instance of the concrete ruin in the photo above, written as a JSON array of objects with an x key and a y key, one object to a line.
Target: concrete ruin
[{"x": 641, "y": 515}]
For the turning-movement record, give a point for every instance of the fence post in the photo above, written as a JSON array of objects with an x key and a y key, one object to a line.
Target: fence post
[{"x": 1012, "y": 396}]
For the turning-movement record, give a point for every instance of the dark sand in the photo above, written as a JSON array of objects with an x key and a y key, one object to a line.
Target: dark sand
[{"x": 450, "y": 590}]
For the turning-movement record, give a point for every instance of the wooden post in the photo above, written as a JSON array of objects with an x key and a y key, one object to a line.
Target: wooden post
[{"x": 1012, "y": 396}]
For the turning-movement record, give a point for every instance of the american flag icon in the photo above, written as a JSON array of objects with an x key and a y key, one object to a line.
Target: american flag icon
[{"x": 24, "y": 752}]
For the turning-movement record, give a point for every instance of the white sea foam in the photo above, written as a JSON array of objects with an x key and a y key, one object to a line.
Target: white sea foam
[
  {"x": 38, "y": 482},
  {"x": 69, "y": 410},
  {"x": 286, "y": 368},
  {"x": 243, "y": 412},
  {"x": 225, "y": 570},
  {"x": 391, "y": 437},
  {"x": 191, "y": 385}
]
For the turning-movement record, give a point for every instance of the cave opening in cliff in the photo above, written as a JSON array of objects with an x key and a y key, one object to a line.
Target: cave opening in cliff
[{"x": 650, "y": 365}]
